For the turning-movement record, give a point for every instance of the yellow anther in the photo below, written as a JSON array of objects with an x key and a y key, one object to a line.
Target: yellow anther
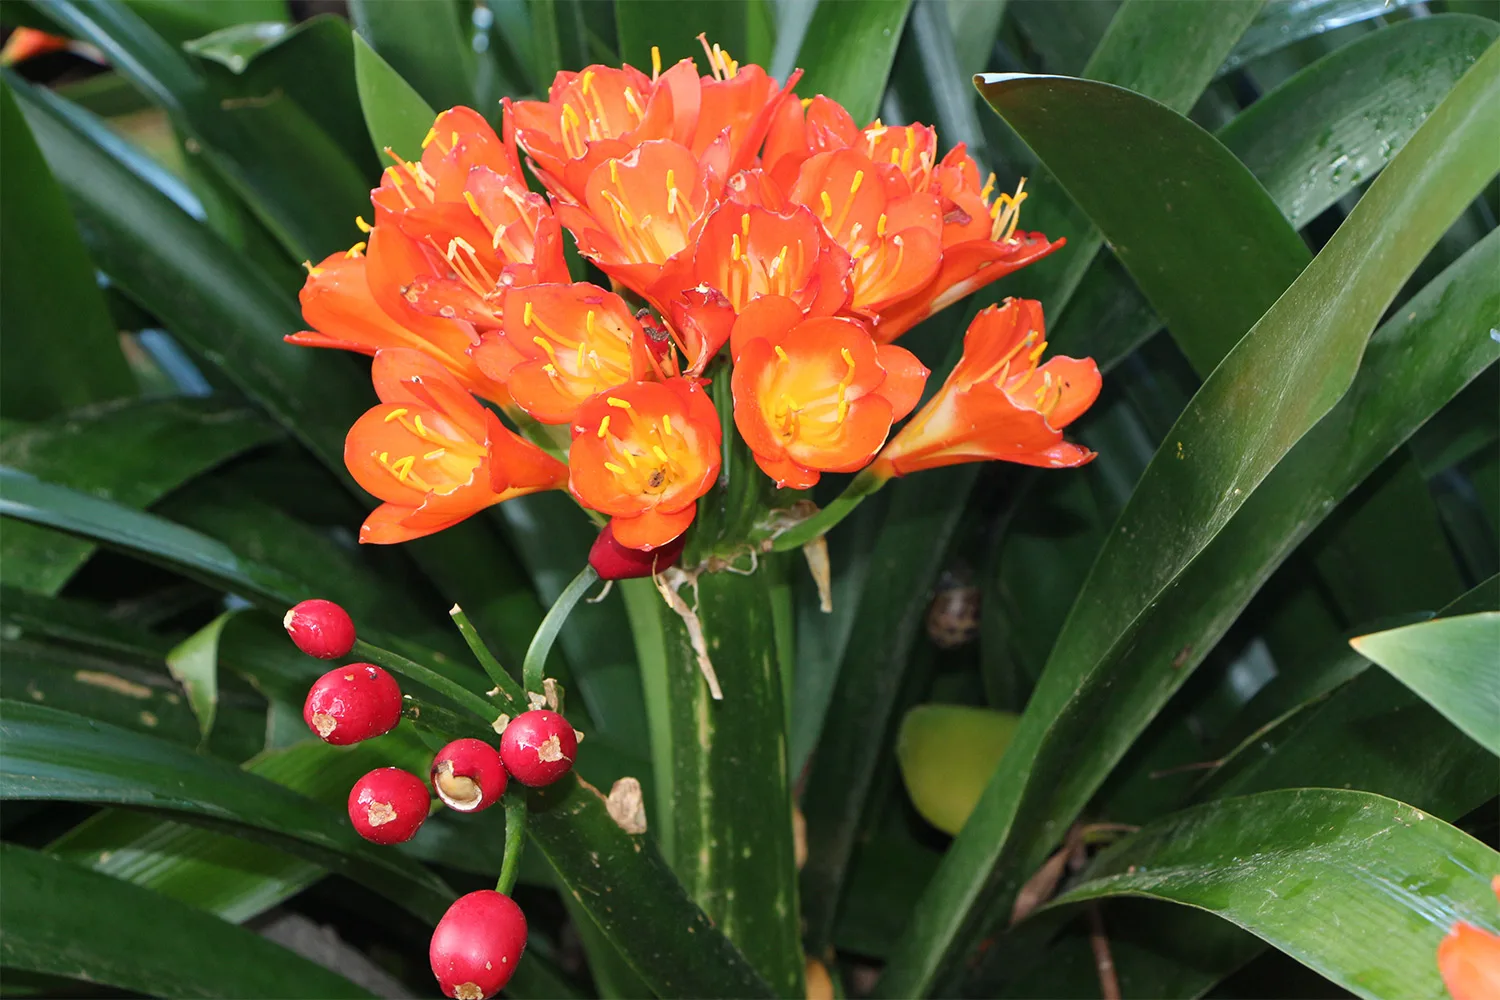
[
  {"x": 570, "y": 116},
  {"x": 734, "y": 246},
  {"x": 385, "y": 458},
  {"x": 805, "y": 102},
  {"x": 364, "y": 227},
  {"x": 780, "y": 354},
  {"x": 526, "y": 315},
  {"x": 578, "y": 361},
  {"x": 1036, "y": 352},
  {"x": 660, "y": 453},
  {"x": 860, "y": 253},
  {"x": 543, "y": 343},
  {"x": 550, "y": 369},
  {"x": 848, "y": 357},
  {"x": 616, "y": 469},
  {"x": 356, "y": 249},
  {"x": 880, "y": 225},
  {"x": 588, "y": 80},
  {"x": 312, "y": 272},
  {"x": 604, "y": 426},
  {"x": 666, "y": 423},
  {"x": 777, "y": 262},
  {"x": 395, "y": 414},
  {"x": 434, "y": 454},
  {"x": 431, "y": 135},
  {"x": 745, "y": 224},
  {"x": 473, "y": 205},
  {"x": 655, "y": 62},
  {"x": 671, "y": 191},
  {"x": 630, "y": 457},
  {"x": 452, "y": 139},
  {"x": 417, "y": 422},
  {"x": 614, "y": 172},
  {"x": 617, "y": 402},
  {"x": 463, "y": 244},
  {"x": 827, "y": 204},
  {"x": 859, "y": 178},
  {"x": 402, "y": 467},
  {"x": 588, "y": 324}
]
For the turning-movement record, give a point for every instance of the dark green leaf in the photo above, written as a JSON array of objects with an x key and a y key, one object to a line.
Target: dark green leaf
[
  {"x": 180, "y": 20},
  {"x": 235, "y": 47},
  {"x": 132, "y": 453},
  {"x": 848, "y": 50},
  {"x": 622, "y": 882},
  {"x": 674, "y": 26},
  {"x": 1290, "y": 865},
  {"x": 67, "y": 921},
  {"x": 1451, "y": 664},
  {"x": 1282, "y": 24},
  {"x": 60, "y": 349},
  {"x": 1230, "y": 438},
  {"x": 50, "y": 755},
  {"x": 424, "y": 43},
  {"x": 395, "y": 114},
  {"x": 208, "y": 296}
]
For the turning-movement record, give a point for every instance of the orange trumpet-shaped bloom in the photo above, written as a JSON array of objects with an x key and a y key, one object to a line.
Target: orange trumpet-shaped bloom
[
  {"x": 737, "y": 103},
  {"x": 433, "y": 454},
  {"x": 475, "y": 228},
  {"x": 562, "y": 344},
  {"x": 599, "y": 114},
  {"x": 799, "y": 132},
  {"x": 892, "y": 236},
  {"x": 816, "y": 395},
  {"x": 1469, "y": 960},
  {"x": 340, "y": 301},
  {"x": 644, "y": 453},
  {"x": 999, "y": 403},
  {"x": 641, "y": 212},
  {"x": 980, "y": 244},
  {"x": 745, "y": 252}
]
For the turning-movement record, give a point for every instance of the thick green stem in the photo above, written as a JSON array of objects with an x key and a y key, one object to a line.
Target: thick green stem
[
  {"x": 541, "y": 644},
  {"x": 515, "y": 841},
  {"x": 412, "y": 670}
]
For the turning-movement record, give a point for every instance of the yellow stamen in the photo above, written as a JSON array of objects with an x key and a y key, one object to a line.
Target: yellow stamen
[
  {"x": 526, "y": 315},
  {"x": 546, "y": 346},
  {"x": 630, "y": 457},
  {"x": 666, "y": 423},
  {"x": 417, "y": 422},
  {"x": 660, "y": 453},
  {"x": 745, "y": 224},
  {"x": 780, "y": 354},
  {"x": 364, "y": 227},
  {"x": 435, "y": 454},
  {"x": 655, "y": 62},
  {"x": 604, "y": 426},
  {"x": 827, "y": 205},
  {"x": 734, "y": 246},
  {"x": 431, "y": 135},
  {"x": 671, "y": 191},
  {"x": 880, "y": 225},
  {"x": 395, "y": 414},
  {"x": 859, "y": 178},
  {"x": 616, "y": 469},
  {"x": 617, "y": 402},
  {"x": 588, "y": 80},
  {"x": 312, "y": 272}
]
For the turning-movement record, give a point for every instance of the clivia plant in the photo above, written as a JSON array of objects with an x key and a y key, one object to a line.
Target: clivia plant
[{"x": 816, "y": 523}]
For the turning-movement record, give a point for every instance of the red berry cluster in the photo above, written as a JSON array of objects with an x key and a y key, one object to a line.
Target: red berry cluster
[{"x": 480, "y": 939}]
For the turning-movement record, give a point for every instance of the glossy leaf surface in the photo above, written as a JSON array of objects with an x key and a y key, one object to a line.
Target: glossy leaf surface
[
  {"x": 1310, "y": 344},
  {"x": 395, "y": 113},
  {"x": 1451, "y": 663},
  {"x": 1291, "y": 865},
  {"x": 66, "y": 921},
  {"x": 848, "y": 50},
  {"x": 424, "y": 43}
]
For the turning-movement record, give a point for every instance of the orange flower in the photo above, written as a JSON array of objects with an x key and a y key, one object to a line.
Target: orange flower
[
  {"x": 28, "y": 43},
  {"x": 892, "y": 236},
  {"x": 433, "y": 454},
  {"x": 744, "y": 253},
  {"x": 980, "y": 244},
  {"x": 641, "y": 213},
  {"x": 339, "y": 301},
  {"x": 1469, "y": 960},
  {"x": 816, "y": 395},
  {"x": 737, "y": 103},
  {"x": 644, "y": 453},
  {"x": 599, "y": 114},
  {"x": 562, "y": 344},
  {"x": 997, "y": 403},
  {"x": 800, "y": 129},
  {"x": 475, "y": 227}
]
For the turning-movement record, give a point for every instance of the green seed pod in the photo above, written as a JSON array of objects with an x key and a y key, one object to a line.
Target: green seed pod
[{"x": 947, "y": 754}]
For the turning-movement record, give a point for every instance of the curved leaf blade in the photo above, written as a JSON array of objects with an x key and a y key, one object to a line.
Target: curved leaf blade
[
  {"x": 424, "y": 44},
  {"x": 66, "y": 921},
  {"x": 396, "y": 115},
  {"x": 60, "y": 348},
  {"x": 848, "y": 50},
  {"x": 1233, "y": 434},
  {"x": 50, "y": 755},
  {"x": 1451, "y": 664},
  {"x": 1357, "y": 886}
]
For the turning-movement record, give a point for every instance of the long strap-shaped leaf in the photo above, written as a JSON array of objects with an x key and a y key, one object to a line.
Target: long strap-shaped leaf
[
  {"x": 1281, "y": 379},
  {"x": 1360, "y": 887},
  {"x": 49, "y": 754},
  {"x": 926, "y": 508},
  {"x": 67, "y": 921}
]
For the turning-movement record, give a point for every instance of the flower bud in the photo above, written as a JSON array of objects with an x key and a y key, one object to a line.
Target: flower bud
[
  {"x": 538, "y": 747},
  {"x": 388, "y": 805},
  {"x": 613, "y": 561},
  {"x": 352, "y": 703},
  {"x": 468, "y": 776},
  {"x": 320, "y": 628},
  {"x": 477, "y": 944}
]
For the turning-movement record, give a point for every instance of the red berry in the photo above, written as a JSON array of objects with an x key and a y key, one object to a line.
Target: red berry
[
  {"x": 538, "y": 747},
  {"x": 613, "y": 561},
  {"x": 477, "y": 944},
  {"x": 388, "y": 805},
  {"x": 321, "y": 629},
  {"x": 352, "y": 703},
  {"x": 468, "y": 776}
]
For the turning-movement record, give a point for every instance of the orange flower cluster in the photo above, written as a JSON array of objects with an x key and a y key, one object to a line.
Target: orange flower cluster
[{"x": 749, "y": 235}]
